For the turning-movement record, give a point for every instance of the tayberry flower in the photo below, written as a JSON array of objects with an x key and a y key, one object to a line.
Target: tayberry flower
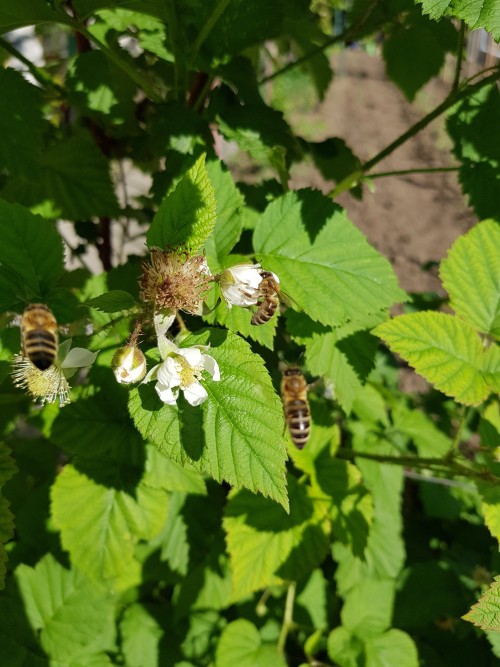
[
  {"x": 129, "y": 365},
  {"x": 51, "y": 384},
  {"x": 240, "y": 284},
  {"x": 175, "y": 281},
  {"x": 182, "y": 369}
]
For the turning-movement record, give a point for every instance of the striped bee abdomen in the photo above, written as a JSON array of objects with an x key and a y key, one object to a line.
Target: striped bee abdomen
[
  {"x": 299, "y": 422},
  {"x": 39, "y": 335}
]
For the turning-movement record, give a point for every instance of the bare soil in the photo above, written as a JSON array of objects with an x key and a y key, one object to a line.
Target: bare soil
[{"x": 411, "y": 219}]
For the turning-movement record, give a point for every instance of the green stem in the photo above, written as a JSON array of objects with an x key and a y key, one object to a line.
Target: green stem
[
  {"x": 39, "y": 74},
  {"x": 441, "y": 465},
  {"x": 345, "y": 36},
  {"x": 208, "y": 27},
  {"x": 458, "y": 434},
  {"x": 454, "y": 97},
  {"x": 460, "y": 55},
  {"x": 136, "y": 75},
  {"x": 405, "y": 172},
  {"x": 288, "y": 616}
]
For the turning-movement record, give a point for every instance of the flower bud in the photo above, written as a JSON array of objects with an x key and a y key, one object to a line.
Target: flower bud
[{"x": 129, "y": 365}]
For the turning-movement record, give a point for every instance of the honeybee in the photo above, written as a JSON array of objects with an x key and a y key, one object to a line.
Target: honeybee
[
  {"x": 270, "y": 297},
  {"x": 39, "y": 335},
  {"x": 297, "y": 414}
]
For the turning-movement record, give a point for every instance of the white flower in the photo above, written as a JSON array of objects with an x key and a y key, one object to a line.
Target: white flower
[
  {"x": 51, "y": 384},
  {"x": 240, "y": 284},
  {"x": 182, "y": 368},
  {"x": 129, "y": 365}
]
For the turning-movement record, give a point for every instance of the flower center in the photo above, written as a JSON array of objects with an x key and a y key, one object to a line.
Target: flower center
[{"x": 189, "y": 374}]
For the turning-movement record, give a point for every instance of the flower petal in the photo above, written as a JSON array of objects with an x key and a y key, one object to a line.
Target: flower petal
[
  {"x": 169, "y": 373},
  {"x": 166, "y": 394},
  {"x": 210, "y": 365},
  {"x": 192, "y": 355},
  {"x": 195, "y": 394},
  {"x": 79, "y": 357}
]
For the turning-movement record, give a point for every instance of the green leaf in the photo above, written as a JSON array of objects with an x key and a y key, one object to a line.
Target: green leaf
[
  {"x": 100, "y": 88},
  {"x": 486, "y": 612},
  {"x": 164, "y": 473},
  {"x": 7, "y": 466},
  {"x": 62, "y": 186},
  {"x": 229, "y": 224},
  {"x": 429, "y": 440},
  {"x": 73, "y": 615},
  {"x": 480, "y": 14},
  {"x": 473, "y": 127},
  {"x": 367, "y": 611},
  {"x": 31, "y": 253},
  {"x": 442, "y": 348},
  {"x": 21, "y": 124},
  {"x": 187, "y": 215},
  {"x": 242, "y": 421},
  {"x": 142, "y": 634},
  {"x": 100, "y": 525},
  {"x": 23, "y": 12},
  {"x": 491, "y": 508},
  {"x": 112, "y": 302},
  {"x": 6, "y": 533},
  {"x": 471, "y": 276},
  {"x": 344, "y": 648},
  {"x": 240, "y": 644},
  {"x": 394, "y": 647},
  {"x": 415, "y": 53},
  {"x": 324, "y": 263},
  {"x": 268, "y": 546}
]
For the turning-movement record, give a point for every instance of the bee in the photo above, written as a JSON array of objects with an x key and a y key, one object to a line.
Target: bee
[
  {"x": 270, "y": 297},
  {"x": 39, "y": 335},
  {"x": 297, "y": 414}
]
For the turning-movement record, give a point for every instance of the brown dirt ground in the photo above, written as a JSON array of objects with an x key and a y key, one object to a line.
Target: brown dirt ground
[{"x": 411, "y": 219}]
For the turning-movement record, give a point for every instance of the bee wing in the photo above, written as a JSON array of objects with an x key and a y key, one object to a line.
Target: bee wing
[{"x": 288, "y": 301}]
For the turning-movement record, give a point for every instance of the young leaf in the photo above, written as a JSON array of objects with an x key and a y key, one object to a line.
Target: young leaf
[
  {"x": 242, "y": 421},
  {"x": 112, "y": 302},
  {"x": 394, "y": 647},
  {"x": 72, "y": 615},
  {"x": 442, "y": 348},
  {"x": 110, "y": 522},
  {"x": 480, "y": 14},
  {"x": 187, "y": 215},
  {"x": 268, "y": 546},
  {"x": 30, "y": 249},
  {"x": 241, "y": 644},
  {"x": 471, "y": 276},
  {"x": 324, "y": 263},
  {"x": 486, "y": 612},
  {"x": 229, "y": 224}
]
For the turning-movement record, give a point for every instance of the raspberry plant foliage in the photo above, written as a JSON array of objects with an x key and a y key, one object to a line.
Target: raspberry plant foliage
[{"x": 166, "y": 518}]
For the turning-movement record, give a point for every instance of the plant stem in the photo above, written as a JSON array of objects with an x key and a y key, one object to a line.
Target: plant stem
[
  {"x": 454, "y": 97},
  {"x": 38, "y": 73},
  {"x": 218, "y": 10},
  {"x": 441, "y": 465},
  {"x": 405, "y": 172},
  {"x": 288, "y": 616},
  {"x": 460, "y": 55}
]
